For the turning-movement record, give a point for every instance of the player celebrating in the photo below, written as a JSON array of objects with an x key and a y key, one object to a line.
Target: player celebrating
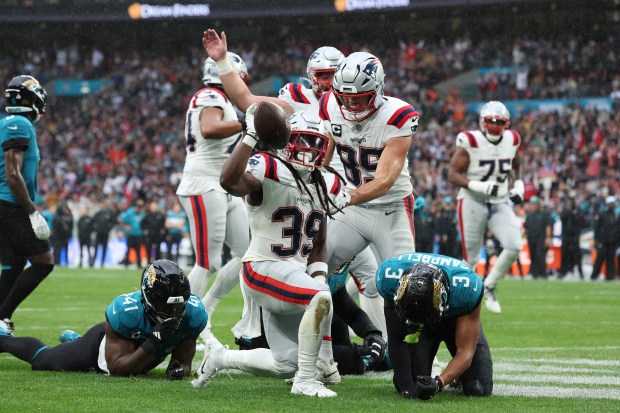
[
  {"x": 372, "y": 134},
  {"x": 294, "y": 97},
  {"x": 283, "y": 271},
  {"x": 23, "y": 231},
  {"x": 211, "y": 132},
  {"x": 481, "y": 166},
  {"x": 141, "y": 329},
  {"x": 432, "y": 298}
]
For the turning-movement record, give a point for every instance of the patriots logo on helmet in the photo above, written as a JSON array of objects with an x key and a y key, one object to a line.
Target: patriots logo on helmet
[{"x": 371, "y": 69}]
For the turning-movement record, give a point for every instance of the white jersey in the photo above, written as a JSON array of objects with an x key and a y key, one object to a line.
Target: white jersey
[
  {"x": 488, "y": 161},
  {"x": 284, "y": 226},
  {"x": 205, "y": 157},
  {"x": 360, "y": 144}
]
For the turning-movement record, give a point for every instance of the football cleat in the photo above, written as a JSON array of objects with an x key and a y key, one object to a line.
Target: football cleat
[
  {"x": 68, "y": 335},
  {"x": 491, "y": 301},
  {"x": 207, "y": 368},
  {"x": 327, "y": 372},
  {"x": 9, "y": 324},
  {"x": 312, "y": 388},
  {"x": 5, "y": 329}
]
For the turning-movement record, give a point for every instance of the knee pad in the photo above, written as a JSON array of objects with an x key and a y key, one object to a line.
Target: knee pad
[{"x": 478, "y": 388}]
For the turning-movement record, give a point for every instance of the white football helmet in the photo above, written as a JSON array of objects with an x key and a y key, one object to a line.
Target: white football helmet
[
  {"x": 494, "y": 120},
  {"x": 210, "y": 75},
  {"x": 359, "y": 76},
  {"x": 324, "y": 60},
  {"x": 308, "y": 144}
]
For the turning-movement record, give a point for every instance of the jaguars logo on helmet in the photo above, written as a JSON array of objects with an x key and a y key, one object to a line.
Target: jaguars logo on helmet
[
  {"x": 165, "y": 291},
  {"x": 422, "y": 295}
]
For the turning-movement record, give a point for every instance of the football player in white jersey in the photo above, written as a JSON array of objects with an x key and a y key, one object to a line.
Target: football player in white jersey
[
  {"x": 288, "y": 199},
  {"x": 294, "y": 97},
  {"x": 371, "y": 134},
  {"x": 483, "y": 162},
  {"x": 211, "y": 132}
]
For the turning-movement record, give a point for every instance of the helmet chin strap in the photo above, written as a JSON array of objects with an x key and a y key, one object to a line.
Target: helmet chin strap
[{"x": 492, "y": 138}]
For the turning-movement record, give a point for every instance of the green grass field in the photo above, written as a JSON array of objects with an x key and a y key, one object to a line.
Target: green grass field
[{"x": 555, "y": 347}]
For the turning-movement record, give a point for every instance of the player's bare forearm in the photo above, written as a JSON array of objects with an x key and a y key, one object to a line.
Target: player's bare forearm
[
  {"x": 13, "y": 161},
  {"x": 213, "y": 127},
  {"x": 184, "y": 354},
  {"x": 122, "y": 357},
  {"x": 458, "y": 166},
  {"x": 372, "y": 190},
  {"x": 319, "y": 246},
  {"x": 233, "y": 178},
  {"x": 466, "y": 337}
]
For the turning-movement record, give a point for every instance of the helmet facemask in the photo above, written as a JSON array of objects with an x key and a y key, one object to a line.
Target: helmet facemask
[
  {"x": 320, "y": 82},
  {"x": 494, "y": 120},
  {"x": 321, "y": 63},
  {"x": 306, "y": 149},
  {"x": 357, "y": 112}
]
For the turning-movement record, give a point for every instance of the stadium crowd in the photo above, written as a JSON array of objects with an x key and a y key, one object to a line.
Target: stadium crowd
[{"x": 125, "y": 142}]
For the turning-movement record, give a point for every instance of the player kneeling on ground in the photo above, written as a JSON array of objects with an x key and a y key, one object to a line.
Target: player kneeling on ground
[
  {"x": 140, "y": 330},
  {"x": 430, "y": 298}
]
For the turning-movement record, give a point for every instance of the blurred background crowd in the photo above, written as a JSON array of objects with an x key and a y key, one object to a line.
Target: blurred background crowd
[{"x": 112, "y": 159}]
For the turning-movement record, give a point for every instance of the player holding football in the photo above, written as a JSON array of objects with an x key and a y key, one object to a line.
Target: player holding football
[
  {"x": 429, "y": 299},
  {"x": 23, "y": 231},
  {"x": 481, "y": 166},
  {"x": 141, "y": 329},
  {"x": 212, "y": 129},
  {"x": 284, "y": 269},
  {"x": 294, "y": 97}
]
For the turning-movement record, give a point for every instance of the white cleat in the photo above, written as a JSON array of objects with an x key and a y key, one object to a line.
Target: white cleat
[
  {"x": 327, "y": 372},
  {"x": 207, "y": 368},
  {"x": 491, "y": 301},
  {"x": 312, "y": 388}
]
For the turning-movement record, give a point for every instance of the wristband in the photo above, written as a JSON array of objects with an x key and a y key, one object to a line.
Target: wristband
[
  {"x": 148, "y": 346},
  {"x": 223, "y": 66},
  {"x": 316, "y": 267},
  {"x": 250, "y": 140}
]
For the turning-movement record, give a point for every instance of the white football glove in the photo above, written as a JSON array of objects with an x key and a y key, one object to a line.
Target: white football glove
[
  {"x": 517, "y": 192},
  {"x": 39, "y": 225},
  {"x": 342, "y": 200},
  {"x": 487, "y": 188},
  {"x": 249, "y": 119}
]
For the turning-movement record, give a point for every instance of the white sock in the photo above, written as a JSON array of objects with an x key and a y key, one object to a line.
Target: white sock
[
  {"x": 258, "y": 362},
  {"x": 199, "y": 280},
  {"x": 504, "y": 261},
  {"x": 312, "y": 328}
]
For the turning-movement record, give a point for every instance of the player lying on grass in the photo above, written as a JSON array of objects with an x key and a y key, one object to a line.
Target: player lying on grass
[
  {"x": 430, "y": 298},
  {"x": 140, "y": 330}
]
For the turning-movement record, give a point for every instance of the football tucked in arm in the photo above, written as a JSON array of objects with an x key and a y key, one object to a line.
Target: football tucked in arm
[{"x": 272, "y": 125}]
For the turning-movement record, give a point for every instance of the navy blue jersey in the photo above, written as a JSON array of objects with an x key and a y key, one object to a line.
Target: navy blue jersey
[
  {"x": 18, "y": 132},
  {"x": 466, "y": 287},
  {"x": 127, "y": 317}
]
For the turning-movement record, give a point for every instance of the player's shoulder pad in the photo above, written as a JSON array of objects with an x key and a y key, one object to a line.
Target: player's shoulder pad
[
  {"x": 515, "y": 137},
  {"x": 334, "y": 184},
  {"x": 400, "y": 114},
  {"x": 323, "y": 105},
  {"x": 295, "y": 92},
  {"x": 196, "y": 313},
  {"x": 209, "y": 97},
  {"x": 125, "y": 312},
  {"x": 262, "y": 165},
  {"x": 466, "y": 139}
]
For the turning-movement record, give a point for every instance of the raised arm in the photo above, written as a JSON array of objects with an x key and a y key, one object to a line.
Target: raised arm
[{"x": 235, "y": 87}]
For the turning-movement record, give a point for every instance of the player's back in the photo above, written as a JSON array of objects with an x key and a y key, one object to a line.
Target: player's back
[
  {"x": 488, "y": 161},
  {"x": 205, "y": 157}
]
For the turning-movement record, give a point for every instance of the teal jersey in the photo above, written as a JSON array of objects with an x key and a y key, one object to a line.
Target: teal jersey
[
  {"x": 18, "y": 132},
  {"x": 176, "y": 218},
  {"x": 127, "y": 317},
  {"x": 466, "y": 287},
  {"x": 132, "y": 218}
]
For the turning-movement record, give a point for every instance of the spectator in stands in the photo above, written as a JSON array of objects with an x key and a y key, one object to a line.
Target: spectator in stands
[
  {"x": 538, "y": 227},
  {"x": 606, "y": 240}
]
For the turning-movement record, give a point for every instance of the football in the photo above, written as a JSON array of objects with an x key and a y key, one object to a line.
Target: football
[{"x": 272, "y": 125}]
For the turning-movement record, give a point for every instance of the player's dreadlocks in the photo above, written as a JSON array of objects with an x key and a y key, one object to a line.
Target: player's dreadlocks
[{"x": 319, "y": 183}]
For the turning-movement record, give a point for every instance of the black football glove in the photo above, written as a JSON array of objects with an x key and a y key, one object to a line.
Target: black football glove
[
  {"x": 375, "y": 345},
  {"x": 428, "y": 386},
  {"x": 175, "y": 371},
  {"x": 161, "y": 333}
]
